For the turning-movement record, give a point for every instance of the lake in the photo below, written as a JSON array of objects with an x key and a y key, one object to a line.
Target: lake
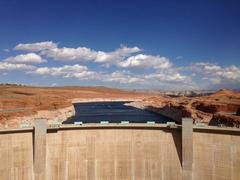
[{"x": 113, "y": 112}]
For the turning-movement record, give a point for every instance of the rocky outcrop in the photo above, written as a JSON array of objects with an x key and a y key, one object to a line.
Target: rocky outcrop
[
  {"x": 26, "y": 102},
  {"x": 52, "y": 116},
  {"x": 213, "y": 106},
  {"x": 79, "y": 100},
  {"x": 222, "y": 119},
  {"x": 221, "y": 108},
  {"x": 172, "y": 109},
  {"x": 238, "y": 112},
  {"x": 55, "y": 115}
]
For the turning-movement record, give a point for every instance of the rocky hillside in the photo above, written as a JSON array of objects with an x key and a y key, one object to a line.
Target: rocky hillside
[
  {"x": 19, "y": 103},
  {"x": 220, "y": 108}
]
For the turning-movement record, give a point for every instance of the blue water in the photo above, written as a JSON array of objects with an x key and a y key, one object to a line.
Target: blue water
[{"x": 113, "y": 112}]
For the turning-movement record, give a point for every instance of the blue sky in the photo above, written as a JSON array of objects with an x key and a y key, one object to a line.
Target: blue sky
[{"x": 128, "y": 44}]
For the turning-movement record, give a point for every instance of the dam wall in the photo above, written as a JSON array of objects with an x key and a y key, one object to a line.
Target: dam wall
[{"x": 121, "y": 152}]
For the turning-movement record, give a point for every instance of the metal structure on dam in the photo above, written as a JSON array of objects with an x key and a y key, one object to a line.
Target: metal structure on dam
[{"x": 120, "y": 152}]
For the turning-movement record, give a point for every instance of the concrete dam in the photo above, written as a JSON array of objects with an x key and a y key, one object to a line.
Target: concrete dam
[{"x": 120, "y": 152}]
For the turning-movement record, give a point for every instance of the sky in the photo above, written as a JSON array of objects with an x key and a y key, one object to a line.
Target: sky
[{"x": 133, "y": 44}]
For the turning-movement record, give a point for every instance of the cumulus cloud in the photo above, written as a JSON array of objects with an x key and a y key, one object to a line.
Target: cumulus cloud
[
  {"x": 122, "y": 57},
  {"x": 9, "y": 67},
  {"x": 213, "y": 70},
  {"x": 204, "y": 67},
  {"x": 51, "y": 50},
  {"x": 38, "y": 46},
  {"x": 30, "y": 58},
  {"x": 211, "y": 75},
  {"x": 164, "y": 77},
  {"x": 70, "y": 54},
  {"x": 83, "y": 73},
  {"x": 112, "y": 58},
  {"x": 130, "y": 66},
  {"x": 124, "y": 77},
  {"x": 145, "y": 61},
  {"x": 231, "y": 73},
  {"x": 67, "y": 71},
  {"x": 86, "y": 54}
]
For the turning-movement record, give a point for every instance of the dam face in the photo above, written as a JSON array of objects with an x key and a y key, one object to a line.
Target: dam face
[{"x": 133, "y": 151}]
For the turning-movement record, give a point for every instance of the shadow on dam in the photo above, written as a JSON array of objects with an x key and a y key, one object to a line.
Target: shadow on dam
[{"x": 113, "y": 112}]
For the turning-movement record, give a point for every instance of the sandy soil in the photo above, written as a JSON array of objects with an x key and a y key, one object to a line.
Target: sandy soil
[
  {"x": 21, "y": 101},
  {"x": 18, "y": 103}
]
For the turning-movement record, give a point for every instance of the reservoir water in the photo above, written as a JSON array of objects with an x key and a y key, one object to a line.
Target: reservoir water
[{"x": 113, "y": 112}]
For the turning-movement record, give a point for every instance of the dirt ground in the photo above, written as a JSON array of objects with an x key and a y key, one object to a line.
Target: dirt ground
[
  {"x": 17, "y": 101},
  {"x": 222, "y": 107}
]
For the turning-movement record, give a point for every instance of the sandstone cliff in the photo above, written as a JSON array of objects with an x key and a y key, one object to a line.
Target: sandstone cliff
[
  {"x": 220, "y": 108},
  {"x": 52, "y": 116}
]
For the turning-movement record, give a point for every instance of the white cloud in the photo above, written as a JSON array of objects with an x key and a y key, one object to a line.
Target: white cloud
[
  {"x": 51, "y": 50},
  {"x": 38, "y": 46},
  {"x": 64, "y": 70},
  {"x": 212, "y": 68},
  {"x": 67, "y": 71},
  {"x": 171, "y": 80},
  {"x": 70, "y": 54},
  {"x": 123, "y": 77},
  {"x": 208, "y": 69},
  {"x": 83, "y": 73},
  {"x": 30, "y": 58},
  {"x": 156, "y": 71},
  {"x": 146, "y": 61},
  {"x": 230, "y": 73},
  {"x": 116, "y": 55},
  {"x": 83, "y": 54},
  {"x": 54, "y": 84},
  {"x": 213, "y": 74},
  {"x": 213, "y": 80},
  {"x": 9, "y": 67},
  {"x": 204, "y": 67},
  {"x": 166, "y": 77}
]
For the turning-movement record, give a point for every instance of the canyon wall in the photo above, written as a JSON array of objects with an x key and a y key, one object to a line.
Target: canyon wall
[
  {"x": 219, "y": 109},
  {"x": 171, "y": 112},
  {"x": 52, "y": 116}
]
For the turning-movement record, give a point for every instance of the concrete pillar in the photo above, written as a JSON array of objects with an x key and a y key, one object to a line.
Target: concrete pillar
[
  {"x": 40, "y": 134},
  {"x": 187, "y": 148}
]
